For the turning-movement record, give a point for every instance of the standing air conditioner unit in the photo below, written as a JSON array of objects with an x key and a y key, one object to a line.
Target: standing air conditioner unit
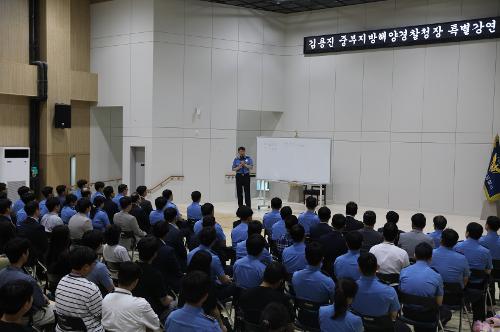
[{"x": 14, "y": 168}]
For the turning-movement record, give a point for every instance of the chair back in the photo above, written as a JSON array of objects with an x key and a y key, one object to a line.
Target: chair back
[
  {"x": 307, "y": 313},
  {"x": 495, "y": 273},
  {"x": 391, "y": 279},
  {"x": 419, "y": 306},
  {"x": 52, "y": 281},
  {"x": 376, "y": 324},
  {"x": 479, "y": 275},
  {"x": 67, "y": 323},
  {"x": 453, "y": 294}
]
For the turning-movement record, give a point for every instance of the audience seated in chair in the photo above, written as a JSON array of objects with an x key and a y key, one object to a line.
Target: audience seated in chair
[
  {"x": 254, "y": 227},
  {"x": 309, "y": 217},
  {"x": 370, "y": 236},
  {"x": 390, "y": 258},
  {"x": 352, "y": 224},
  {"x": 80, "y": 222},
  {"x": 123, "y": 312},
  {"x": 195, "y": 288},
  {"x": 16, "y": 300},
  {"x": 422, "y": 280},
  {"x": 100, "y": 274},
  {"x": 310, "y": 283},
  {"x": 78, "y": 297},
  {"x": 333, "y": 243},
  {"x": 337, "y": 317},
  {"x": 439, "y": 225},
  {"x": 249, "y": 270},
  {"x": 322, "y": 227},
  {"x": 166, "y": 260},
  {"x": 346, "y": 266},
  {"x": 240, "y": 231},
  {"x": 18, "y": 252},
  {"x": 151, "y": 285},
  {"x": 51, "y": 219},
  {"x": 252, "y": 301},
  {"x": 294, "y": 256},
  {"x": 112, "y": 251},
  {"x": 408, "y": 241},
  {"x": 272, "y": 217},
  {"x": 479, "y": 259}
]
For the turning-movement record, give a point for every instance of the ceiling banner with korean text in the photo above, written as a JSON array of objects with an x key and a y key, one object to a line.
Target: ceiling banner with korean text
[{"x": 482, "y": 28}]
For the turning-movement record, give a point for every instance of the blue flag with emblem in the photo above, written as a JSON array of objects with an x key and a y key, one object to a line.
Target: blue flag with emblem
[{"x": 492, "y": 180}]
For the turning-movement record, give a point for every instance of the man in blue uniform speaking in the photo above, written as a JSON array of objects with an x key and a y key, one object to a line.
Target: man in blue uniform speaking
[{"x": 242, "y": 165}]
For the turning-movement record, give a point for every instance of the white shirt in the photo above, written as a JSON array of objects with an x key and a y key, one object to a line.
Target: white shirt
[
  {"x": 51, "y": 220},
  {"x": 115, "y": 254},
  {"x": 390, "y": 258},
  {"x": 122, "y": 312}
]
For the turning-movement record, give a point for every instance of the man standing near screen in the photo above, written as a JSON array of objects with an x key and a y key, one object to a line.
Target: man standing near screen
[{"x": 242, "y": 165}]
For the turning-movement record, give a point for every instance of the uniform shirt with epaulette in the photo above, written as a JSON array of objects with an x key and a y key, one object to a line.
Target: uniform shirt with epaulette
[
  {"x": 190, "y": 318},
  {"x": 374, "y": 298},
  {"x": 311, "y": 284}
]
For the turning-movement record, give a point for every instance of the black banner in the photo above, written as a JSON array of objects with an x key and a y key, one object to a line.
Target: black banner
[{"x": 482, "y": 28}]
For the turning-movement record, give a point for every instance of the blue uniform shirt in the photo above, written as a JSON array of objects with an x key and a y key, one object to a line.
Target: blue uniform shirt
[
  {"x": 492, "y": 242},
  {"x": 421, "y": 280},
  {"x": 194, "y": 211},
  {"x": 216, "y": 266},
  {"x": 278, "y": 230},
  {"x": 308, "y": 219},
  {"x": 241, "y": 251},
  {"x": 43, "y": 208},
  {"x": 248, "y": 272},
  {"x": 348, "y": 323},
  {"x": 77, "y": 193},
  {"x": 190, "y": 319},
  {"x": 243, "y": 170},
  {"x": 100, "y": 276},
  {"x": 171, "y": 204},
  {"x": 294, "y": 257},
  {"x": 66, "y": 213},
  {"x": 239, "y": 233},
  {"x": 312, "y": 285},
  {"x": 21, "y": 216},
  {"x": 436, "y": 237},
  {"x": 116, "y": 199},
  {"x": 269, "y": 219},
  {"x": 18, "y": 205},
  {"x": 451, "y": 265},
  {"x": 346, "y": 266},
  {"x": 94, "y": 195},
  {"x": 156, "y": 216},
  {"x": 374, "y": 298},
  {"x": 198, "y": 226},
  {"x": 479, "y": 257},
  {"x": 100, "y": 220}
]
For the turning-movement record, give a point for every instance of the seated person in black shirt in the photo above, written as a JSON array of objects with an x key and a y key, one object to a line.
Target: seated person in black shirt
[
  {"x": 352, "y": 224},
  {"x": 391, "y": 216},
  {"x": 253, "y": 301},
  {"x": 33, "y": 231},
  {"x": 138, "y": 212},
  {"x": 16, "y": 299},
  {"x": 276, "y": 317},
  {"x": 333, "y": 243},
  {"x": 166, "y": 261},
  {"x": 151, "y": 285},
  {"x": 57, "y": 258},
  {"x": 110, "y": 207},
  {"x": 322, "y": 228}
]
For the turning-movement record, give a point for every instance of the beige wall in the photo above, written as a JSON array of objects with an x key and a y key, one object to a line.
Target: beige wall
[{"x": 65, "y": 46}]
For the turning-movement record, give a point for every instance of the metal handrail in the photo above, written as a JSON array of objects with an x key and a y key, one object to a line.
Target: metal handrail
[{"x": 165, "y": 181}]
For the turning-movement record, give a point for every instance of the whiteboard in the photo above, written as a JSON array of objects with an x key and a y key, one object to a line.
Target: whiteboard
[{"x": 303, "y": 160}]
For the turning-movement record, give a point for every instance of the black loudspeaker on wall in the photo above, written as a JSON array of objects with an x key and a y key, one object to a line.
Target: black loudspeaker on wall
[{"x": 62, "y": 116}]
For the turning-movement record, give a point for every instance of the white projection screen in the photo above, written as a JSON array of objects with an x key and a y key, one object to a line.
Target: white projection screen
[{"x": 302, "y": 160}]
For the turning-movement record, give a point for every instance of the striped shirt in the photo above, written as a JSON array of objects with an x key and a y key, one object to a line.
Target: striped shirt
[{"x": 78, "y": 297}]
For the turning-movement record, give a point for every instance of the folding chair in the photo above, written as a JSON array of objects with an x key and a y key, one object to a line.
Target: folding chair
[
  {"x": 453, "y": 299},
  {"x": 390, "y": 279},
  {"x": 128, "y": 240},
  {"x": 420, "y": 305},
  {"x": 481, "y": 288},
  {"x": 113, "y": 268},
  {"x": 67, "y": 323},
  {"x": 307, "y": 315},
  {"x": 376, "y": 324}
]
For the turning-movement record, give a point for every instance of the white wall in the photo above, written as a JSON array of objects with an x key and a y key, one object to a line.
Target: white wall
[
  {"x": 412, "y": 127},
  {"x": 106, "y": 143}
]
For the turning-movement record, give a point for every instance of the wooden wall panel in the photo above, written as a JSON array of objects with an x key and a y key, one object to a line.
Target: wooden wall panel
[
  {"x": 14, "y": 31},
  {"x": 18, "y": 79},
  {"x": 83, "y": 86},
  {"x": 80, "y": 35},
  {"x": 79, "y": 141},
  {"x": 14, "y": 124}
]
